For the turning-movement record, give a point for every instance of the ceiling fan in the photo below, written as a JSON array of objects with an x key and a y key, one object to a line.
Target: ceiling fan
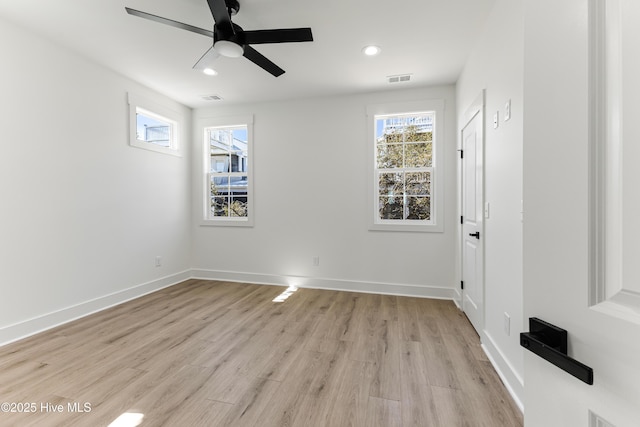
[{"x": 232, "y": 41}]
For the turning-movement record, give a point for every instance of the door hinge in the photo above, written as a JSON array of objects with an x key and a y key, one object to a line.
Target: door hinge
[
  {"x": 461, "y": 219},
  {"x": 461, "y": 284},
  {"x": 461, "y": 154}
]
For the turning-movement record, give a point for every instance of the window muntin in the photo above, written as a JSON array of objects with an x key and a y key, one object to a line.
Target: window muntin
[
  {"x": 404, "y": 168},
  {"x": 227, "y": 151}
]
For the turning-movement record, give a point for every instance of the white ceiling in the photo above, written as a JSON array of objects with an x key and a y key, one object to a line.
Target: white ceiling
[{"x": 429, "y": 39}]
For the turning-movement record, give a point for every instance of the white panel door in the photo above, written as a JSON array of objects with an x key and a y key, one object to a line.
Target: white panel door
[
  {"x": 582, "y": 204},
  {"x": 472, "y": 220}
]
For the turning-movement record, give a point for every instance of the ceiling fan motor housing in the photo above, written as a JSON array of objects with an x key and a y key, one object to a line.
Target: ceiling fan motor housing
[{"x": 232, "y": 33}]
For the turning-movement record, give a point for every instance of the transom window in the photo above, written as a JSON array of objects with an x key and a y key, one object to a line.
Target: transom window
[
  {"x": 404, "y": 166},
  {"x": 153, "y": 126},
  {"x": 154, "y": 129}
]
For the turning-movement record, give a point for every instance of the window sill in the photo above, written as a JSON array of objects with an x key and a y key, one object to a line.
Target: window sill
[
  {"x": 426, "y": 228},
  {"x": 226, "y": 223}
]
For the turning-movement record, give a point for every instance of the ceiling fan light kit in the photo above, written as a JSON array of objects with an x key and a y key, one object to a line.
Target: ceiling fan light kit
[
  {"x": 228, "y": 49},
  {"x": 230, "y": 40}
]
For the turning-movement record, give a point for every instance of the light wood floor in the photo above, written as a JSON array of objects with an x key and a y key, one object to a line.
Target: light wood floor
[{"x": 206, "y": 353}]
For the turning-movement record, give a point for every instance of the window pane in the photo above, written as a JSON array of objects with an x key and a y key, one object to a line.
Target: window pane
[
  {"x": 418, "y": 208},
  {"x": 389, "y": 156},
  {"x": 221, "y": 138},
  {"x": 238, "y": 207},
  {"x": 152, "y": 130},
  {"x": 219, "y": 185},
  {"x": 391, "y": 208},
  {"x": 393, "y": 136},
  {"x": 414, "y": 134},
  {"x": 238, "y": 185},
  {"x": 418, "y": 155},
  {"x": 219, "y": 206},
  {"x": 418, "y": 183},
  {"x": 220, "y": 161},
  {"x": 391, "y": 184}
]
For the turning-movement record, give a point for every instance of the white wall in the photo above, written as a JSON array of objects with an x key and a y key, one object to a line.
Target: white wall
[
  {"x": 496, "y": 65},
  {"x": 310, "y": 166},
  {"x": 83, "y": 215}
]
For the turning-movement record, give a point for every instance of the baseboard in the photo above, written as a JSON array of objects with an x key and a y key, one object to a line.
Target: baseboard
[
  {"x": 29, "y": 327},
  {"x": 330, "y": 284},
  {"x": 511, "y": 379},
  {"x": 457, "y": 298}
]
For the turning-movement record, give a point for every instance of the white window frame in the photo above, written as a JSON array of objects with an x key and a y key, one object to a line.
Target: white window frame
[
  {"x": 158, "y": 111},
  {"x": 435, "y": 224},
  {"x": 203, "y": 126}
]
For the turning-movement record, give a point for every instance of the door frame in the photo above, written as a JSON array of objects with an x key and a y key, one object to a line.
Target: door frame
[{"x": 476, "y": 108}]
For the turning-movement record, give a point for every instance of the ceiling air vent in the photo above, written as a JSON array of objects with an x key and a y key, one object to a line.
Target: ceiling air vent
[
  {"x": 211, "y": 97},
  {"x": 399, "y": 78}
]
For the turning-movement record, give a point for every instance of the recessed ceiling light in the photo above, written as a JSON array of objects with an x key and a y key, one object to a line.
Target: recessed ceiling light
[
  {"x": 371, "y": 50},
  {"x": 210, "y": 72}
]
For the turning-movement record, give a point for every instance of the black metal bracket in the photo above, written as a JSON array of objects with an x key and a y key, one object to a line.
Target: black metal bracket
[{"x": 550, "y": 343}]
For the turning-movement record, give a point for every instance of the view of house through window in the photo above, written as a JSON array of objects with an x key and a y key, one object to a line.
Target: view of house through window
[
  {"x": 404, "y": 167},
  {"x": 154, "y": 126},
  {"x": 228, "y": 180},
  {"x": 153, "y": 129}
]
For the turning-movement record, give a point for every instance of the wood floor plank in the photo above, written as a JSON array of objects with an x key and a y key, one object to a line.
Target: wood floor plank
[
  {"x": 386, "y": 378},
  {"x": 199, "y": 412},
  {"x": 478, "y": 385},
  {"x": 451, "y": 408},
  {"x": 384, "y": 413},
  {"x": 282, "y": 409},
  {"x": 438, "y": 365},
  {"x": 348, "y": 405},
  {"x": 246, "y": 413},
  {"x": 408, "y": 319},
  {"x": 329, "y": 374},
  {"x": 418, "y": 405},
  {"x": 217, "y": 354}
]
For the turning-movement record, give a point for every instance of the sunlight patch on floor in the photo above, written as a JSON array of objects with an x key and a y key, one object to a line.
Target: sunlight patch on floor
[
  {"x": 286, "y": 294},
  {"x": 128, "y": 419}
]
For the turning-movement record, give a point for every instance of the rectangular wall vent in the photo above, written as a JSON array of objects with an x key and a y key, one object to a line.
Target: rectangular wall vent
[
  {"x": 399, "y": 78},
  {"x": 211, "y": 97}
]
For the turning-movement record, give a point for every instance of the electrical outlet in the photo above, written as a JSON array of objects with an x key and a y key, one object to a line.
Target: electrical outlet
[
  {"x": 316, "y": 261},
  {"x": 507, "y": 324},
  {"x": 158, "y": 261}
]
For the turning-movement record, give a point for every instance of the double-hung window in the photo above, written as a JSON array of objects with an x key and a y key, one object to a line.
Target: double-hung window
[
  {"x": 227, "y": 166},
  {"x": 404, "y": 146}
]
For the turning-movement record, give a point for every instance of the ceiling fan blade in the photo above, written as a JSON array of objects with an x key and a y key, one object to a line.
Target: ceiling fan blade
[
  {"x": 206, "y": 61},
  {"x": 170, "y": 22},
  {"x": 220, "y": 12},
  {"x": 285, "y": 35},
  {"x": 261, "y": 61}
]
